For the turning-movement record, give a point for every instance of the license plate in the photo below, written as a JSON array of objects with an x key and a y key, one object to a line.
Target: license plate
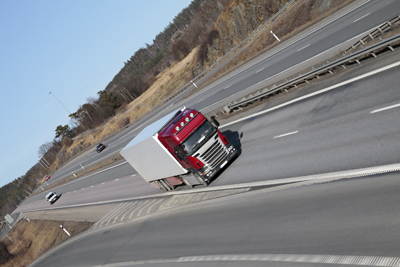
[{"x": 223, "y": 164}]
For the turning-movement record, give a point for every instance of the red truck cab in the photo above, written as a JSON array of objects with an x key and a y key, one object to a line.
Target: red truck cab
[{"x": 197, "y": 144}]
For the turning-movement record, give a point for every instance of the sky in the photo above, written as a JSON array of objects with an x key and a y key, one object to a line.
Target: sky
[{"x": 70, "y": 48}]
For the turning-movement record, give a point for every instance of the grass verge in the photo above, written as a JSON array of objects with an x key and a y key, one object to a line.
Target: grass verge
[{"x": 32, "y": 239}]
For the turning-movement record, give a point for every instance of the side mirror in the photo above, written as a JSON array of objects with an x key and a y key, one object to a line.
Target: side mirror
[
  {"x": 179, "y": 153},
  {"x": 214, "y": 122}
]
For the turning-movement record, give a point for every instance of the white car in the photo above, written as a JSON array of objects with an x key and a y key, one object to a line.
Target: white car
[{"x": 52, "y": 197}]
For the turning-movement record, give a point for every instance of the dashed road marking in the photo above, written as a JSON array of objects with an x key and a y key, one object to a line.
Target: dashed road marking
[
  {"x": 361, "y": 17},
  {"x": 260, "y": 70},
  {"x": 303, "y": 47},
  {"x": 386, "y": 108},
  {"x": 286, "y": 134}
]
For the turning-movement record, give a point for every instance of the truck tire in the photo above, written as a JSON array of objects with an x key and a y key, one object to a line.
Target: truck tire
[
  {"x": 201, "y": 180},
  {"x": 165, "y": 184},
  {"x": 186, "y": 182}
]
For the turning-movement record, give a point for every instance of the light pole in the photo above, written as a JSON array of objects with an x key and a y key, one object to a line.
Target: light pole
[
  {"x": 69, "y": 112},
  {"x": 60, "y": 102}
]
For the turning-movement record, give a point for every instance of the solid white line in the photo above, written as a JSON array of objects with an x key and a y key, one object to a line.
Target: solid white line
[
  {"x": 286, "y": 134},
  {"x": 361, "y": 17},
  {"x": 259, "y": 70},
  {"x": 295, "y": 66},
  {"x": 303, "y": 47},
  {"x": 382, "y": 109},
  {"x": 323, "y": 177},
  {"x": 293, "y": 258},
  {"x": 315, "y": 93}
]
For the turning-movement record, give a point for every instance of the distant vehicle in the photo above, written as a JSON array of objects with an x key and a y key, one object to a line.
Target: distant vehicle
[
  {"x": 47, "y": 178},
  {"x": 100, "y": 147},
  {"x": 52, "y": 197}
]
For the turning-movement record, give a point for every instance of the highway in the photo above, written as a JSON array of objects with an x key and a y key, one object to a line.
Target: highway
[
  {"x": 345, "y": 121},
  {"x": 327, "y": 132},
  {"x": 358, "y": 217},
  {"x": 279, "y": 63}
]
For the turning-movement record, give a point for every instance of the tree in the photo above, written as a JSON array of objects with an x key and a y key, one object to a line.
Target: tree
[
  {"x": 63, "y": 131},
  {"x": 44, "y": 148},
  {"x": 180, "y": 49},
  {"x": 109, "y": 99}
]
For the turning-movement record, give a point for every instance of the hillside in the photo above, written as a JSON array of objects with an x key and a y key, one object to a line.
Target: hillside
[{"x": 198, "y": 37}]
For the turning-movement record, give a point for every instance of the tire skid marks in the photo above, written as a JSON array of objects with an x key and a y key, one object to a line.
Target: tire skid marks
[{"x": 133, "y": 209}]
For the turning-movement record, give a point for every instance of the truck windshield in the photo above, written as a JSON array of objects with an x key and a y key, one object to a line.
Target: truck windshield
[{"x": 199, "y": 137}]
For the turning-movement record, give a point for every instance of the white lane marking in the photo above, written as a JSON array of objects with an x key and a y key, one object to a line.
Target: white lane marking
[
  {"x": 103, "y": 183},
  {"x": 303, "y": 47},
  {"x": 273, "y": 76},
  {"x": 116, "y": 180},
  {"x": 286, "y": 134},
  {"x": 298, "y": 258},
  {"x": 227, "y": 86},
  {"x": 157, "y": 202},
  {"x": 83, "y": 189},
  {"x": 200, "y": 100},
  {"x": 386, "y": 108},
  {"x": 138, "y": 207},
  {"x": 361, "y": 17},
  {"x": 260, "y": 70},
  {"x": 315, "y": 93},
  {"x": 133, "y": 175},
  {"x": 92, "y": 186},
  {"x": 348, "y": 174},
  {"x": 130, "y": 206}
]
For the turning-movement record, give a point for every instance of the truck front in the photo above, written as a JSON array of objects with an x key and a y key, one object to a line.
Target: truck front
[{"x": 197, "y": 144}]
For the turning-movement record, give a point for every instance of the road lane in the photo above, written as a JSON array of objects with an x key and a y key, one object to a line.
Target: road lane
[
  {"x": 329, "y": 132},
  {"x": 326, "y": 37},
  {"x": 348, "y": 217}
]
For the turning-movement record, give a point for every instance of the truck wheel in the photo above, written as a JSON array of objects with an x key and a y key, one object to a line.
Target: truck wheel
[
  {"x": 186, "y": 182},
  {"x": 201, "y": 180},
  {"x": 165, "y": 184}
]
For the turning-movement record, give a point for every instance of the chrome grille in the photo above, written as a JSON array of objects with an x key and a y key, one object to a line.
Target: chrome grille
[{"x": 213, "y": 152}]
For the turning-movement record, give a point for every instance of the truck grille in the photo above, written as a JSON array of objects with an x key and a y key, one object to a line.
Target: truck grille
[{"x": 213, "y": 152}]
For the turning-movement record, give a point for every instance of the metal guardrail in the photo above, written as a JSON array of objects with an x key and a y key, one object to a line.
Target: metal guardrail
[
  {"x": 354, "y": 57},
  {"x": 375, "y": 33},
  {"x": 3, "y": 224},
  {"x": 197, "y": 79}
]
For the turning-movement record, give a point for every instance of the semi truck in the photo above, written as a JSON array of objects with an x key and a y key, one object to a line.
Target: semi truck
[{"x": 183, "y": 147}]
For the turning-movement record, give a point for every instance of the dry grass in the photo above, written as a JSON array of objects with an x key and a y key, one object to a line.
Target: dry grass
[
  {"x": 32, "y": 239},
  {"x": 295, "y": 20}
]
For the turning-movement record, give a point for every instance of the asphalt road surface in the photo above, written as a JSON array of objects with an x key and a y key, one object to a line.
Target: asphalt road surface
[
  {"x": 357, "y": 217},
  {"x": 333, "y": 131},
  {"x": 285, "y": 59}
]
